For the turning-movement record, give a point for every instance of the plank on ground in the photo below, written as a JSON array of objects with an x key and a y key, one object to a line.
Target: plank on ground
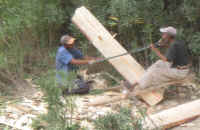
[
  {"x": 110, "y": 99},
  {"x": 174, "y": 116},
  {"x": 126, "y": 65}
]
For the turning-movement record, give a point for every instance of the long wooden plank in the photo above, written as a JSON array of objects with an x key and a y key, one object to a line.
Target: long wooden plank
[
  {"x": 174, "y": 116},
  {"x": 107, "y": 45},
  {"x": 126, "y": 65}
]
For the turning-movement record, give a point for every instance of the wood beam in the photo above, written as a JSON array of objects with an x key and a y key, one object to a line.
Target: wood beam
[{"x": 126, "y": 65}]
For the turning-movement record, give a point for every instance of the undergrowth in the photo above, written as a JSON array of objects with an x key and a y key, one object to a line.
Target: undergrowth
[
  {"x": 119, "y": 121},
  {"x": 60, "y": 109}
]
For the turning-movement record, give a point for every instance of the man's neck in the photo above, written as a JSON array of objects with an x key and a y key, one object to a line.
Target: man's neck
[{"x": 65, "y": 46}]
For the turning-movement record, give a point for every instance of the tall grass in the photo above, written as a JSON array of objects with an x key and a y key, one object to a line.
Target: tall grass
[{"x": 60, "y": 109}]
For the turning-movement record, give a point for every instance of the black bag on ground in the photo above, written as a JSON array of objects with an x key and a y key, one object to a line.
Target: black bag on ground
[{"x": 80, "y": 87}]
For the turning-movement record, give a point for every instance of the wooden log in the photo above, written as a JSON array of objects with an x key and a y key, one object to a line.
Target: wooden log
[
  {"x": 174, "y": 116},
  {"x": 126, "y": 65},
  {"x": 104, "y": 101}
]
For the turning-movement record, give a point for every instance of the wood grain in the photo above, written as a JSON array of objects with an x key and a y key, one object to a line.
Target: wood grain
[{"x": 175, "y": 116}]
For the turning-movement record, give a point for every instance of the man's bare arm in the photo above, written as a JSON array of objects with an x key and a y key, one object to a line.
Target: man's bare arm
[
  {"x": 157, "y": 51},
  {"x": 89, "y": 58},
  {"x": 79, "y": 62},
  {"x": 93, "y": 58}
]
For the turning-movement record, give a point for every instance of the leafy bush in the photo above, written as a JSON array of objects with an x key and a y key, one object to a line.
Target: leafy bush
[{"x": 118, "y": 121}]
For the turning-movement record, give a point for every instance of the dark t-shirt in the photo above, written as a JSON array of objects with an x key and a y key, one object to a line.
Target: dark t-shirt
[{"x": 178, "y": 54}]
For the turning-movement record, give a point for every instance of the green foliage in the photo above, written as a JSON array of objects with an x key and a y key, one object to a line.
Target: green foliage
[
  {"x": 195, "y": 43},
  {"x": 3, "y": 60},
  {"x": 118, "y": 121},
  {"x": 60, "y": 110},
  {"x": 17, "y": 15},
  {"x": 28, "y": 26},
  {"x": 136, "y": 23}
]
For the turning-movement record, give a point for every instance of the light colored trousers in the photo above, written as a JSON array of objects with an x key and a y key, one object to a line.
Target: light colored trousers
[{"x": 159, "y": 73}]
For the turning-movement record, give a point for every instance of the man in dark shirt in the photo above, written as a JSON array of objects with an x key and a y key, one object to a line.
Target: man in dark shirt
[
  {"x": 177, "y": 54},
  {"x": 172, "y": 66}
]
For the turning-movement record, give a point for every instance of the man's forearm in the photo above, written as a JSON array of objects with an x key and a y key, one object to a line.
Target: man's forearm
[
  {"x": 162, "y": 57},
  {"x": 89, "y": 58},
  {"x": 79, "y": 62}
]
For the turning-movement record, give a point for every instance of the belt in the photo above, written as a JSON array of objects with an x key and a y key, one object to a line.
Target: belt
[{"x": 183, "y": 67}]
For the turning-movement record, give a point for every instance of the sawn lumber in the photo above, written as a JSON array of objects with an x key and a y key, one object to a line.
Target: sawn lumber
[
  {"x": 126, "y": 65},
  {"x": 174, "y": 116}
]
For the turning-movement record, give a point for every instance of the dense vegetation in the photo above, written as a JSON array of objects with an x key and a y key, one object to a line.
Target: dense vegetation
[
  {"x": 30, "y": 31},
  {"x": 36, "y": 26}
]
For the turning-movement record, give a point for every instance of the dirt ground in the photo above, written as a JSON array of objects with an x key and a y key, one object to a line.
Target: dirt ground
[{"x": 32, "y": 104}]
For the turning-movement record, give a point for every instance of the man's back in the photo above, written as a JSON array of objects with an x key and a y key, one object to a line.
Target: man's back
[
  {"x": 63, "y": 58},
  {"x": 178, "y": 54}
]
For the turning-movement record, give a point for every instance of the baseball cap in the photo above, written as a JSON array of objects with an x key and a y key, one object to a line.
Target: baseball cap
[
  {"x": 170, "y": 30},
  {"x": 66, "y": 38}
]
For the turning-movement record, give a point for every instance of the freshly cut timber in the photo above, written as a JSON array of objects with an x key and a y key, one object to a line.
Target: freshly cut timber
[
  {"x": 174, "y": 116},
  {"x": 126, "y": 65},
  {"x": 111, "y": 99}
]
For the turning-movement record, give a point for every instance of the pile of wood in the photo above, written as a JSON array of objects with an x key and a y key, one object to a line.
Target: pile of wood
[{"x": 18, "y": 113}]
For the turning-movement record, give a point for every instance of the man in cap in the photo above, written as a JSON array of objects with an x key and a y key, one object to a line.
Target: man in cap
[
  {"x": 67, "y": 59},
  {"x": 172, "y": 66}
]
